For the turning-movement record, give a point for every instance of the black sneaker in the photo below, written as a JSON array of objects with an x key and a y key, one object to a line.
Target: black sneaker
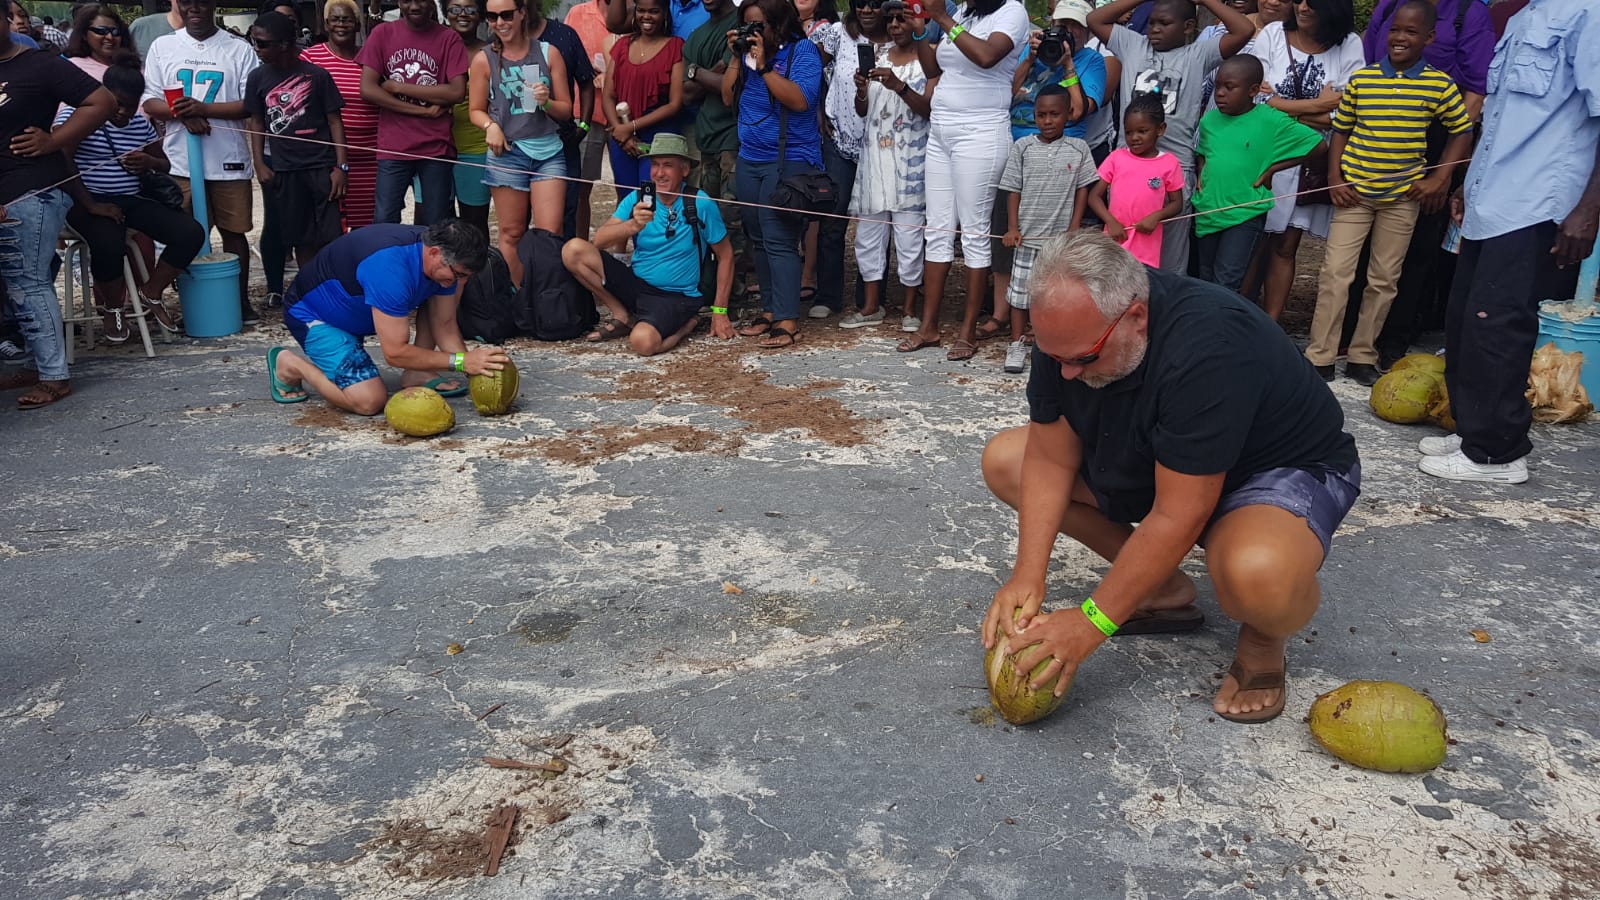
[
  {"x": 248, "y": 316},
  {"x": 1386, "y": 361},
  {"x": 1325, "y": 371},
  {"x": 1364, "y": 374}
]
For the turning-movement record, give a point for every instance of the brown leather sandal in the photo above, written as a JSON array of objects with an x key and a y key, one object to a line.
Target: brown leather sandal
[{"x": 43, "y": 394}]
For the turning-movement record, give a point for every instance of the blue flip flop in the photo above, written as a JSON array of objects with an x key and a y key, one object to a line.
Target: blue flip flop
[
  {"x": 278, "y": 388},
  {"x": 454, "y": 392}
]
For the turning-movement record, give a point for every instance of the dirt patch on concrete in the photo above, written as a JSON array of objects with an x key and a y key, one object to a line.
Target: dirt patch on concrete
[
  {"x": 603, "y": 442},
  {"x": 748, "y": 394}
]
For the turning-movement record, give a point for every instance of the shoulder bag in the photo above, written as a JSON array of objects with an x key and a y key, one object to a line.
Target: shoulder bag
[
  {"x": 806, "y": 194},
  {"x": 1313, "y": 178}
]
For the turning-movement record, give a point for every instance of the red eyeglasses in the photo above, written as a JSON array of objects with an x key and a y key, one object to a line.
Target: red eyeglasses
[{"x": 1089, "y": 359}]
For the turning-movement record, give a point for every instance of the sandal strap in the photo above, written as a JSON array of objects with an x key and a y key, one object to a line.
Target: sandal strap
[{"x": 1256, "y": 681}]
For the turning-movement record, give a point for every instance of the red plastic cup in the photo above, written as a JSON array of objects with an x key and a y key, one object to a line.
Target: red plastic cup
[{"x": 174, "y": 94}]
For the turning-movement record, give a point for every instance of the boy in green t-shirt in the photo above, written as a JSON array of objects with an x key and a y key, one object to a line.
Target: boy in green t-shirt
[{"x": 1242, "y": 145}]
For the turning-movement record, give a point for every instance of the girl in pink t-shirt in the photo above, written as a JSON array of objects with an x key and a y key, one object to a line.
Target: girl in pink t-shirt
[{"x": 1146, "y": 184}]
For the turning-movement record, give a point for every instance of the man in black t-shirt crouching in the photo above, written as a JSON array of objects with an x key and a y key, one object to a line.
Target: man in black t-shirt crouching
[{"x": 1176, "y": 404}]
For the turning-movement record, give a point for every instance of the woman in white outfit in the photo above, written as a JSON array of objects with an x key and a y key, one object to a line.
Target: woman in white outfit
[
  {"x": 891, "y": 176},
  {"x": 1308, "y": 59},
  {"x": 968, "y": 138}
]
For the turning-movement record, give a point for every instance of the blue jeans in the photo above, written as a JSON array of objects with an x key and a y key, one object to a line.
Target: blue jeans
[
  {"x": 27, "y": 250},
  {"x": 774, "y": 236},
  {"x": 1225, "y": 255},
  {"x": 438, "y": 179},
  {"x": 830, "y": 234}
]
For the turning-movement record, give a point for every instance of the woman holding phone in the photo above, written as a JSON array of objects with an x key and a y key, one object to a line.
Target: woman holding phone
[{"x": 517, "y": 88}]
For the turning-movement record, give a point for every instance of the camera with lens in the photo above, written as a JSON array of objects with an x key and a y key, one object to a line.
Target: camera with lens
[
  {"x": 741, "y": 38},
  {"x": 1054, "y": 44}
]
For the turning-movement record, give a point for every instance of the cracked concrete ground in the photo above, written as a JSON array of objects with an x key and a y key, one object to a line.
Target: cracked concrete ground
[{"x": 225, "y": 665}]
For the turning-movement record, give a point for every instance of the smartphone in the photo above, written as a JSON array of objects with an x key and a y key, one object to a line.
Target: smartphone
[
  {"x": 647, "y": 194},
  {"x": 867, "y": 59}
]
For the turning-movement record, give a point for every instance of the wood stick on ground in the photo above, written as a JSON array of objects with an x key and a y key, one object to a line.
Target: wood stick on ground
[
  {"x": 488, "y": 712},
  {"x": 500, "y": 762},
  {"x": 498, "y": 835}
]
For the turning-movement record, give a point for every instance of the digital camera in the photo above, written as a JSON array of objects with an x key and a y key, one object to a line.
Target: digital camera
[
  {"x": 1054, "y": 44},
  {"x": 741, "y": 39}
]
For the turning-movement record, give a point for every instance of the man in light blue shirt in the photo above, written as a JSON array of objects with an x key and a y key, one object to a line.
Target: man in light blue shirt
[
  {"x": 657, "y": 301},
  {"x": 1529, "y": 211}
]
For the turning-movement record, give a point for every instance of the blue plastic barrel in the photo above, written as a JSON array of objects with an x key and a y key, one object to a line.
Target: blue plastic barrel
[
  {"x": 1582, "y": 336},
  {"x": 209, "y": 292}
]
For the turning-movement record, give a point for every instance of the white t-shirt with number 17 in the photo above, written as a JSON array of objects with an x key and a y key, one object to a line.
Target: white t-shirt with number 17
[{"x": 211, "y": 71}]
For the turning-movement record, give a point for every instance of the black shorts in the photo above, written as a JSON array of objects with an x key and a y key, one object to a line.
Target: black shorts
[
  {"x": 665, "y": 311},
  {"x": 306, "y": 217}
]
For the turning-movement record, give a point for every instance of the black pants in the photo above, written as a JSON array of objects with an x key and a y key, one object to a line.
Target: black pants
[
  {"x": 107, "y": 238},
  {"x": 1490, "y": 329}
]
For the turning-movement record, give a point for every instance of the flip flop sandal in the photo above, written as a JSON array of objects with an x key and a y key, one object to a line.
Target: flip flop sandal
[
  {"x": 1258, "y": 681},
  {"x": 986, "y": 333},
  {"x": 457, "y": 391},
  {"x": 807, "y": 292},
  {"x": 281, "y": 391},
  {"x": 1179, "y": 620},
  {"x": 761, "y": 325},
  {"x": 609, "y": 331},
  {"x": 779, "y": 338},
  {"x": 960, "y": 350},
  {"x": 914, "y": 343}
]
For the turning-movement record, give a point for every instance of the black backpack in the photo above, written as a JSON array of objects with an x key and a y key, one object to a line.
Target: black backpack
[
  {"x": 552, "y": 305},
  {"x": 707, "y": 260},
  {"x": 488, "y": 308}
]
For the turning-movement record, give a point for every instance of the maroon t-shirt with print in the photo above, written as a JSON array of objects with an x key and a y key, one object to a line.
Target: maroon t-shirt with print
[{"x": 432, "y": 56}]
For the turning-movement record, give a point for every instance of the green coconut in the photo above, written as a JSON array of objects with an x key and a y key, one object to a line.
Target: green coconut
[
  {"x": 1439, "y": 411},
  {"x": 419, "y": 412},
  {"x": 1427, "y": 362},
  {"x": 1380, "y": 725},
  {"x": 1008, "y": 688},
  {"x": 493, "y": 393},
  {"x": 1405, "y": 395}
]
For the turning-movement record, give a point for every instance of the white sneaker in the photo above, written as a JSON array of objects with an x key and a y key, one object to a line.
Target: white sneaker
[
  {"x": 910, "y": 324},
  {"x": 1443, "y": 445},
  {"x": 818, "y": 311},
  {"x": 1457, "y": 467},
  {"x": 1016, "y": 357}
]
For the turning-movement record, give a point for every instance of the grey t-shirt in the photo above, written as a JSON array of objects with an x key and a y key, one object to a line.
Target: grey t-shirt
[
  {"x": 146, "y": 29},
  {"x": 1177, "y": 75},
  {"x": 1048, "y": 177}
]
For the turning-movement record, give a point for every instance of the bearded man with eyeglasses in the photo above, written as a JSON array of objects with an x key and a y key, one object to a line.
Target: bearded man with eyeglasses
[{"x": 1175, "y": 404}]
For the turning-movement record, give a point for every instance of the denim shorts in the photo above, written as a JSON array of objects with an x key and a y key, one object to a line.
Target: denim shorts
[
  {"x": 1321, "y": 498},
  {"x": 339, "y": 354},
  {"x": 513, "y": 169}
]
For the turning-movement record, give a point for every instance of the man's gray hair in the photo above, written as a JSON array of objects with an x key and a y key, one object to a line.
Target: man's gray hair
[{"x": 1113, "y": 277}]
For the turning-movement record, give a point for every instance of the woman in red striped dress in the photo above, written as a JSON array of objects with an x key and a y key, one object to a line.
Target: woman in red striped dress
[{"x": 342, "y": 18}]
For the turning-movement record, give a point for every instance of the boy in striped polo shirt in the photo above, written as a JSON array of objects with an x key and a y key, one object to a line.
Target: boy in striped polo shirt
[{"x": 1377, "y": 183}]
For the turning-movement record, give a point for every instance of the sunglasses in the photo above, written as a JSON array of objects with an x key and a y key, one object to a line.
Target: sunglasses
[
  {"x": 1090, "y": 358},
  {"x": 264, "y": 44},
  {"x": 461, "y": 10},
  {"x": 504, "y": 15},
  {"x": 105, "y": 30}
]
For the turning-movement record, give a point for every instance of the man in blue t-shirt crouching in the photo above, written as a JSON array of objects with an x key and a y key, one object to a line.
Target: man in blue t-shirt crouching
[
  {"x": 657, "y": 301},
  {"x": 368, "y": 282}
]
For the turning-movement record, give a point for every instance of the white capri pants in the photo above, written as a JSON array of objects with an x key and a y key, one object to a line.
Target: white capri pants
[
  {"x": 872, "y": 246},
  {"x": 965, "y": 160}
]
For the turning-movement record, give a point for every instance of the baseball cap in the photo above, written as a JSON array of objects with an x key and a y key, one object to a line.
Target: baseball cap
[{"x": 1075, "y": 10}]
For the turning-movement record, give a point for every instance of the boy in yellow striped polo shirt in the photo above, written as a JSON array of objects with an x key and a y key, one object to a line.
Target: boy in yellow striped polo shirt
[{"x": 1377, "y": 182}]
